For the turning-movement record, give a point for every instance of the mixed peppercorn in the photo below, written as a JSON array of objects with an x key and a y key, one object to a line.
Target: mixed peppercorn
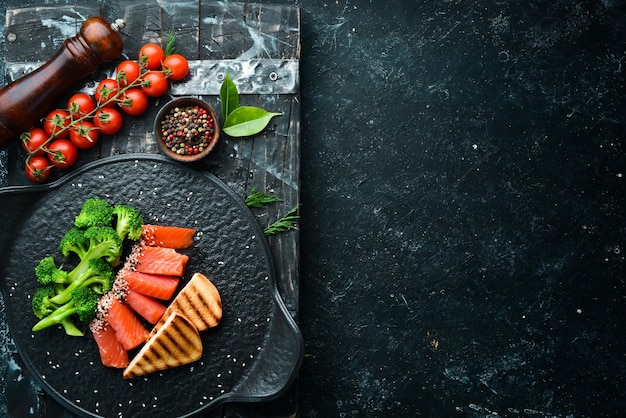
[{"x": 187, "y": 130}]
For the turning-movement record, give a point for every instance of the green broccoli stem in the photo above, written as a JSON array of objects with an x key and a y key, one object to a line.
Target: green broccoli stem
[
  {"x": 59, "y": 316},
  {"x": 88, "y": 279},
  {"x": 98, "y": 251},
  {"x": 71, "y": 329}
]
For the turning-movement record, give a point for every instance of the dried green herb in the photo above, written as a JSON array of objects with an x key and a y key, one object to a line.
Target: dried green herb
[
  {"x": 229, "y": 96},
  {"x": 247, "y": 121},
  {"x": 170, "y": 43},
  {"x": 258, "y": 199},
  {"x": 286, "y": 223}
]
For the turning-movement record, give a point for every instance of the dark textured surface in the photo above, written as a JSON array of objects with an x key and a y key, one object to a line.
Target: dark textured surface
[
  {"x": 252, "y": 354},
  {"x": 463, "y": 208}
]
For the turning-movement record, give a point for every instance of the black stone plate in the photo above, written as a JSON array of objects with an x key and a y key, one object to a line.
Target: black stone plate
[{"x": 253, "y": 355}]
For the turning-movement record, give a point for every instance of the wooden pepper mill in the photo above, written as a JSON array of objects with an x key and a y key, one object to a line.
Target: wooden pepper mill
[{"x": 27, "y": 99}]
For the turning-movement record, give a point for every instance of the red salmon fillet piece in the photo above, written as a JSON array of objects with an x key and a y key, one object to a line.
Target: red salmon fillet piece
[
  {"x": 128, "y": 328},
  {"x": 167, "y": 236},
  {"x": 155, "y": 285},
  {"x": 148, "y": 308},
  {"x": 160, "y": 260},
  {"x": 112, "y": 354}
]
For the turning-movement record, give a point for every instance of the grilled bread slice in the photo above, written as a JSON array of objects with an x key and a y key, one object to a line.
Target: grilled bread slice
[
  {"x": 177, "y": 342},
  {"x": 199, "y": 301}
]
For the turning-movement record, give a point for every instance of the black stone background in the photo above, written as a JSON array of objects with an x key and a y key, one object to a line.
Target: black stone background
[
  {"x": 463, "y": 208},
  {"x": 462, "y": 212}
]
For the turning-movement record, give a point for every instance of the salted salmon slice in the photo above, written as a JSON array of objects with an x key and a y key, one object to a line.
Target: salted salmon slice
[
  {"x": 112, "y": 353},
  {"x": 147, "y": 307},
  {"x": 155, "y": 285},
  {"x": 129, "y": 330},
  {"x": 167, "y": 236},
  {"x": 160, "y": 260}
]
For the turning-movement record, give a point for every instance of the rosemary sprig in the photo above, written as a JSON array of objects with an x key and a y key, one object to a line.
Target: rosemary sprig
[
  {"x": 286, "y": 223},
  {"x": 170, "y": 43},
  {"x": 258, "y": 199}
]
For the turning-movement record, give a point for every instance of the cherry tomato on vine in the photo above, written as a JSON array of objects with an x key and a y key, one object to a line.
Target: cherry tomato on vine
[
  {"x": 134, "y": 101},
  {"x": 81, "y": 104},
  {"x": 34, "y": 139},
  {"x": 108, "y": 120},
  {"x": 62, "y": 153},
  {"x": 106, "y": 89},
  {"x": 84, "y": 135},
  {"x": 127, "y": 72},
  {"x": 38, "y": 168},
  {"x": 176, "y": 67},
  {"x": 55, "y": 121},
  {"x": 151, "y": 56},
  {"x": 154, "y": 83}
]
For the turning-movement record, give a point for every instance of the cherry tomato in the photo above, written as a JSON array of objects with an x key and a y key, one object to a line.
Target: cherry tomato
[
  {"x": 38, "y": 169},
  {"x": 176, "y": 67},
  {"x": 108, "y": 120},
  {"x": 151, "y": 56},
  {"x": 106, "y": 90},
  {"x": 84, "y": 135},
  {"x": 134, "y": 101},
  {"x": 81, "y": 104},
  {"x": 34, "y": 139},
  {"x": 127, "y": 72},
  {"x": 62, "y": 153},
  {"x": 55, "y": 122},
  {"x": 154, "y": 83}
]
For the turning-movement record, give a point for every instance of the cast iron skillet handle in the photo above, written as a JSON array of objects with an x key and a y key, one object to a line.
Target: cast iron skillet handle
[{"x": 281, "y": 358}]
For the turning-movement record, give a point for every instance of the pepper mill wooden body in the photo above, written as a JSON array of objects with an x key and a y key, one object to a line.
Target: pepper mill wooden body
[{"x": 26, "y": 100}]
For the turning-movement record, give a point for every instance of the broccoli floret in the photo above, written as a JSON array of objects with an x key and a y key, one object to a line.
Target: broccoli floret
[
  {"x": 47, "y": 272},
  {"x": 83, "y": 303},
  {"x": 96, "y": 238},
  {"x": 92, "y": 275},
  {"x": 74, "y": 241},
  {"x": 98, "y": 276},
  {"x": 42, "y": 306},
  {"x": 44, "y": 309},
  {"x": 128, "y": 222},
  {"x": 103, "y": 243},
  {"x": 94, "y": 212}
]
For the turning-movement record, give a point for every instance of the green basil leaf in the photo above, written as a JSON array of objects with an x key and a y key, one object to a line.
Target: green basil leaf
[
  {"x": 247, "y": 121},
  {"x": 229, "y": 96}
]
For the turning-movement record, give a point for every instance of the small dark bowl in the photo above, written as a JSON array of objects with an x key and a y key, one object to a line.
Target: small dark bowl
[{"x": 185, "y": 102}]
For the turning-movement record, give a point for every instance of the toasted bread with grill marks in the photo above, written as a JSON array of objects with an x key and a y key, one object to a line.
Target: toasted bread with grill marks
[
  {"x": 199, "y": 301},
  {"x": 177, "y": 342}
]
